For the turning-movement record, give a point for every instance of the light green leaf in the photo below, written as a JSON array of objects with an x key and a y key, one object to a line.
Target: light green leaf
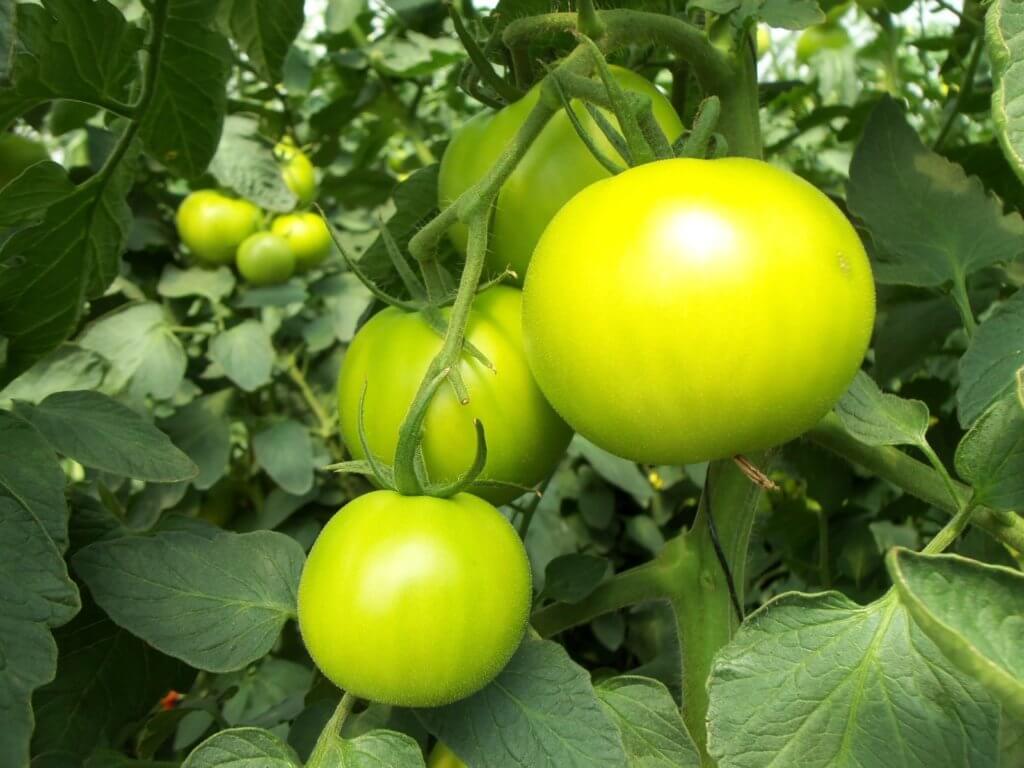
[
  {"x": 617, "y": 471},
  {"x": 236, "y": 590},
  {"x": 342, "y": 13},
  {"x": 974, "y": 612},
  {"x": 879, "y": 418},
  {"x": 243, "y": 748},
  {"x": 265, "y": 29},
  {"x": 790, "y": 14},
  {"x": 246, "y": 354},
  {"x": 285, "y": 451},
  {"x": 67, "y": 367},
  {"x": 818, "y": 681},
  {"x": 1004, "y": 36},
  {"x": 375, "y": 749},
  {"x": 991, "y": 455},
  {"x": 202, "y": 430},
  {"x": 415, "y": 54},
  {"x": 647, "y": 716},
  {"x": 245, "y": 162},
  {"x": 547, "y": 701},
  {"x": 212, "y": 284},
  {"x": 988, "y": 367}
]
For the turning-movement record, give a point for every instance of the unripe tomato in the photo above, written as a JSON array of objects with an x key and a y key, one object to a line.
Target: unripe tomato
[
  {"x": 265, "y": 259},
  {"x": 390, "y": 355},
  {"x": 823, "y": 37},
  {"x": 213, "y": 226},
  {"x": 442, "y": 757},
  {"x": 764, "y": 40},
  {"x": 298, "y": 172},
  {"x": 412, "y": 600},
  {"x": 556, "y": 167},
  {"x": 307, "y": 235},
  {"x": 688, "y": 310},
  {"x": 16, "y": 154}
]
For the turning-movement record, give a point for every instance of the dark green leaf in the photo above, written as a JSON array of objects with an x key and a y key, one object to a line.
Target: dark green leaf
[
  {"x": 570, "y": 578},
  {"x": 991, "y": 455},
  {"x": 648, "y": 718},
  {"x": 245, "y": 353},
  {"x": 1004, "y": 35},
  {"x": 285, "y": 451},
  {"x": 31, "y": 476},
  {"x": 995, "y": 354},
  {"x": 265, "y": 29},
  {"x": 202, "y": 430}
]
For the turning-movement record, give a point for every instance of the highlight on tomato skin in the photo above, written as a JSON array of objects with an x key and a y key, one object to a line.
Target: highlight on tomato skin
[{"x": 414, "y": 601}]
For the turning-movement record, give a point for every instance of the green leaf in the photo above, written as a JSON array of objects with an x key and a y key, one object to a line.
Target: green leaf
[
  {"x": 265, "y": 29},
  {"x": 183, "y": 122},
  {"x": 212, "y": 284},
  {"x": 7, "y": 39},
  {"x": 877, "y": 418},
  {"x": 974, "y": 613},
  {"x": 245, "y": 353},
  {"x": 371, "y": 750},
  {"x": 67, "y": 367},
  {"x": 37, "y": 595},
  {"x": 991, "y": 455},
  {"x": 995, "y": 354},
  {"x": 272, "y": 693},
  {"x": 56, "y": 260},
  {"x": 243, "y": 748},
  {"x": 202, "y": 430},
  {"x": 74, "y": 49},
  {"x": 342, "y": 13},
  {"x": 285, "y": 451},
  {"x": 106, "y": 679},
  {"x": 1004, "y": 36},
  {"x": 144, "y": 354},
  {"x": 235, "y": 591},
  {"x": 99, "y": 432},
  {"x": 818, "y": 681},
  {"x": 546, "y": 701},
  {"x": 647, "y": 716},
  {"x": 245, "y": 162},
  {"x": 31, "y": 476},
  {"x": 934, "y": 226},
  {"x": 791, "y": 14},
  {"x": 570, "y": 578},
  {"x": 415, "y": 54},
  {"x": 619, "y": 472}
]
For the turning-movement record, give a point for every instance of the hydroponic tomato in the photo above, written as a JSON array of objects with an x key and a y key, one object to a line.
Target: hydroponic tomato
[
  {"x": 16, "y": 154},
  {"x": 298, "y": 172},
  {"x": 390, "y": 355},
  {"x": 213, "y": 225},
  {"x": 556, "y": 167},
  {"x": 412, "y": 600},
  {"x": 696, "y": 309},
  {"x": 265, "y": 259},
  {"x": 307, "y": 235}
]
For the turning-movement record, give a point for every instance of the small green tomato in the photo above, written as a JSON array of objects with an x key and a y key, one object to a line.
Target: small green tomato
[
  {"x": 307, "y": 235},
  {"x": 265, "y": 259}
]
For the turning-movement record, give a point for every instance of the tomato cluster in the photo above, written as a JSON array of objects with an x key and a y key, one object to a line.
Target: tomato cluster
[
  {"x": 221, "y": 230},
  {"x": 681, "y": 311}
]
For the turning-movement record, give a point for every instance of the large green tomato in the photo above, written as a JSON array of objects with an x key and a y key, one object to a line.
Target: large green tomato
[
  {"x": 823, "y": 37},
  {"x": 265, "y": 259},
  {"x": 556, "y": 167},
  {"x": 307, "y": 235},
  {"x": 213, "y": 225},
  {"x": 16, "y": 154},
  {"x": 697, "y": 309},
  {"x": 298, "y": 172},
  {"x": 412, "y": 600},
  {"x": 390, "y": 355}
]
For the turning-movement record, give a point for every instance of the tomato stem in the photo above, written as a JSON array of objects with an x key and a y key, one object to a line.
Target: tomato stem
[{"x": 323, "y": 754}]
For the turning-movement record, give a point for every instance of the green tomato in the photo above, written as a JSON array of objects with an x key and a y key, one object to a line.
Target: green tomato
[
  {"x": 556, "y": 167},
  {"x": 265, "y": 259},
  {"x": 688, "y": 310},
  {"x": 298, "y": 172},
  {"x": 307, "y": 235},
  {"x": 442, "y": 757},
  {"x": 390, "y": 355},
  {"x": 412, "y": 600},
  {"x": 16, "y": 154},
  {"x": 823, "y": 37},
  {"x": 764, "y": 40},
  {"x": 213, "y": 226}
]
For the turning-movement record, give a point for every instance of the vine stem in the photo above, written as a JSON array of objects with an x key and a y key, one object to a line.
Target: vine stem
[
  {"x": 966, "y": 87},
  {"x": 331, "y": 732}
]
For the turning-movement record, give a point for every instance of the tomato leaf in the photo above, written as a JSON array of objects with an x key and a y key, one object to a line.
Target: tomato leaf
[
  {"x": 265, "y": 29},
  {"x": 817, "y": 680},
  {"x": 243, "y": 746},
  {"x": 652, "y": 729},
  {"x": 31, "y": 476},
  {"x": 995, "y": 354},
  {"x": 373, "y": 749},
  {"x": 570, "y": 578},
  {"x": 202, "y": 430},
  {"x": 67, "y": 367},
  {"x": 285, "y": 451},
  {"x": 212, "y": 284},
  {"x": 991, "y": 455},
  {"x": 972, "y": 611},
  {"x": 1004, "y": 36},
  {"x": 245, "y": 162},
  {"x": 237, "y": 591},
  {"x": 97, "y": 431},
  {"x": 879, "y": 418},
  {"x": 933, "y": 224},
  {"x": 245, "y": 353},
  {"x": 547, "y": 701}
]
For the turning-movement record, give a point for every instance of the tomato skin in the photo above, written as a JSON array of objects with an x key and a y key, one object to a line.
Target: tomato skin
[
  {"x": 298, "y": 172},
  {"x": 442, "y": 757},
  {"x": 412, "y": 600},
  {"x": 307, "y": 236},
  {"x": 688, "y": 310},
  {"x": 16, "y": 154},
  {"x": 390, "y": 355},
  {"x": 265, "y": 259},
  {"x": 556, "y": 167},
  {"x": 213, "y": 225}
]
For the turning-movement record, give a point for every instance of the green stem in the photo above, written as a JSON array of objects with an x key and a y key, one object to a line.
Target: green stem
[
  {"x": 963, "y": 306},
  {"x": 588, "y": 22},
  {"x": 483, "y": 67},
  {"x": 916, "y": 478},
  {"x": 966, "y": 88},
  {"x": 322, "y": 756},
  {"x": 952, "y": 530}
]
